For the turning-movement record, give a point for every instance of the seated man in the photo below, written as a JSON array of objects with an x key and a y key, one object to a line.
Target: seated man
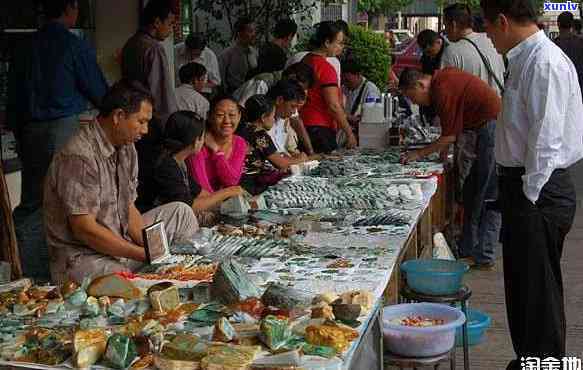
[
  {"x": 195, "y": 50},
  {"x": 193, "y": 78},
  {"x": 258, "y": 85},
  {"x": 356, "y": 89},
  {"x": 92, "y": 225}
]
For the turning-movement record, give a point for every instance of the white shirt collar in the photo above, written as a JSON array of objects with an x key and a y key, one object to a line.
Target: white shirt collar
[
  {"x": 361, "y": 84},
  {"x": 187, "y": 86},
  {"x": 525, "y": 44}
]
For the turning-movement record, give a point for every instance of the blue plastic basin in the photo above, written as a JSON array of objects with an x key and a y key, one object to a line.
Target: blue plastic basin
[
  {"x": 434, "y": 276},
  {"x": 478, "y": 322}
]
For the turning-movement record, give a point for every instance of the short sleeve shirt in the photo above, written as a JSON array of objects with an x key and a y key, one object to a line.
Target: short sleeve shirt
[
  {"x": 462, "y": 101},
  {"x": 463, "y": 55},
  {"x": 315, "y": 112},
  {"x": 173, "y": 184},
  {"x": 279, "y": 134},
  {"x": 260, "y": 147},
  {"x": 235, "y": 63},
  {"x": 191, "y": 100},
  {"x": 89, "y": 176}
]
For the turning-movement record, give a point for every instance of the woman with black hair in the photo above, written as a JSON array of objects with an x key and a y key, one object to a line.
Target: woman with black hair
[
  {"x": 323, "y": 113},
  {"x": 219, "y": 164},
  {"x": 184, "y": 136},
  {"x": 264, "y": 166}
]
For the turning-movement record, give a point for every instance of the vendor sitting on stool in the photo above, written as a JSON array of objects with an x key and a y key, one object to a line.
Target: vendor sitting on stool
[
  {"x": 92, "y": 225},
  {"x": 356, "y": 89},
  {"x": 264, "y": 165},
  {"x": 183, "y": 137}
]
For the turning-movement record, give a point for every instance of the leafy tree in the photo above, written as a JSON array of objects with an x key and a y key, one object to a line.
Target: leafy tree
[
  {"x": 474, "y": 4},
  {"x": 371, "y": 51},
  {"x": 375, "y": 7},
  {"x": 264, "y": 12}
]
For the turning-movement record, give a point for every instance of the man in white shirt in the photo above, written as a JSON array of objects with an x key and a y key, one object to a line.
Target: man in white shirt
[
  {"x": 193, "y": 78},
  {"x": 538, "y": 137},
  {"x": 195, "y": 49},
  {"x": 356, "y": 89},
  {"x": 258, "y": 85},
  {"x": 474, "y": 53}
]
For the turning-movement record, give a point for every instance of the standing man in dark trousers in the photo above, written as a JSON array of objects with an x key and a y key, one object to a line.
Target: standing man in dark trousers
[
  {"x": 52, "y": 79},
  {"x": 570, "y": 43},
  {"x": 474, "y": 53},
  {"x": 538, "y": 137},
  {"x": 144, "y": 59}
]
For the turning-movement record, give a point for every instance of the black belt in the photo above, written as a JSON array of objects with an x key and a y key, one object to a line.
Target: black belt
[{"x": 510, "y": 171}]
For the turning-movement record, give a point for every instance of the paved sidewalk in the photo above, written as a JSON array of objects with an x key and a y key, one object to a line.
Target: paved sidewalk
[{"x": 488, "y": 296}]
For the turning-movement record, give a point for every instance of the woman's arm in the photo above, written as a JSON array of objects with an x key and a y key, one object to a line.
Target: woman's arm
[
  {"x": 196, "y": 165},
  {"x": 283, "y": 163},
  {"x": 331, "y": 97},
  {"x": 230, "y": 170},
  {"x": 298, "y": 125},
  {"x": 206, "y": 201}
]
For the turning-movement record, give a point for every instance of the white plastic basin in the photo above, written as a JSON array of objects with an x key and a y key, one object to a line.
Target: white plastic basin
[{"x": 421, "y": 341}]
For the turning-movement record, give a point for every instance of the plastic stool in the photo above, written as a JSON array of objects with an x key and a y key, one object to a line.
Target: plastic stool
[
  {"x": 413, "y": 363},
  {"x": 462, "y": 296}
]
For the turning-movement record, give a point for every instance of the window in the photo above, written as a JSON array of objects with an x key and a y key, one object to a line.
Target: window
[{"x": 331, "y": 12}]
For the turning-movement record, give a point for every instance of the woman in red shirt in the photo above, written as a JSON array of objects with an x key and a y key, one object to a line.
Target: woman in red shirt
[{"x": 323, "y": 113}]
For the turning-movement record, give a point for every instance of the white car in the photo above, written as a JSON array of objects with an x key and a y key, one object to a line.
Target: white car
[{"x": 401, "y": 36}]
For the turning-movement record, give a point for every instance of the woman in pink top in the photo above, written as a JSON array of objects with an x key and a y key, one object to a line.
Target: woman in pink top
[{"x": 220, "y": 163}]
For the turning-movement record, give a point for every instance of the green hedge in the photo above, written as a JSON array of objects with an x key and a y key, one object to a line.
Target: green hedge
[{"x": 371, "y": 51}]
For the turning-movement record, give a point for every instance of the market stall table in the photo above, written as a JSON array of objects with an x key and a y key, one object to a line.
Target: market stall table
[{"x": 364, "y": 215}]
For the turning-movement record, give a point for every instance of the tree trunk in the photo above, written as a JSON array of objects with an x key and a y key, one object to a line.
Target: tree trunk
[{"x": 8, "y": 246}]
